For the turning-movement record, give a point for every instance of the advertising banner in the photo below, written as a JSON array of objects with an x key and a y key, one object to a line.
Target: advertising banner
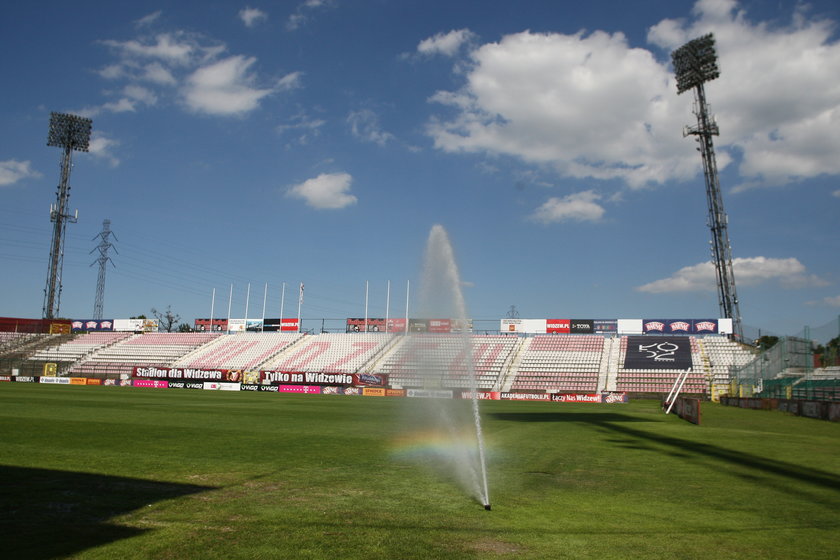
[
  {"x": 117, "y": 382},
  {"x": 394, "y": 392},
  {"x": 531, "y": 326},
  {"x": 525, "y": 396},
  {"x": 25, "y": 379},
  {"x": 481, "y": 395},
  {"x": 653, "y": 326},
  {"x": 153, "y": 383},
  {"x": 373, "y": 392},
  {"x": 439, "y": 326},
  {"x": 418, "y": 325},
  {"x": 581, "y": 326},
  {"x": 56, "y": 380},
  {"x": 289, "y": 325},
  {"x": 705, "y": 326},
  {"x": 576, "y": 398},
  {"x": 8, "y": 378},
  {"x": 661, "y": 352},
  {"x": 678, "y": 326},
  {"x": 429, "y": 394},
  {"x": 558, "y": 326},
  {"x": 92, "y": 325},
  {"x": 78, "y": 381},
  {"x": 93, "y": 382},
  {"x": 612, "y": 398},
  {"x": 306, "y": 378},
  {"x": 605, "y": 326},
  {"x": 135, "y": 325},
  {"x": 203, "y": 325},
  {"x": 396, "y": 325},
  {"x": 236, "y": 326},
  {"x": 187, "y": 374},
  {"x": 358, "y": 325},
  {"x": 306, "y": 389},
  {"x": 688, "y": 409},
  {"x": 370, "y": 379}
]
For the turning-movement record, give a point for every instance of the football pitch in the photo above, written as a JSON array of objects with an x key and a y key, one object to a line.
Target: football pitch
[{"x": 114, "y": 472}]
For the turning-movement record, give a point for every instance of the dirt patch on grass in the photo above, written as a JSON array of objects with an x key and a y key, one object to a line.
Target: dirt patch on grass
[{"x": 493, "y": 546}]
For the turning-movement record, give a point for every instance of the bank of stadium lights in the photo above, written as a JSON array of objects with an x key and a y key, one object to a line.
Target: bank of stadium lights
[
  {"x": 695, "y": 63},
  {"x": 69, "y": 132}
]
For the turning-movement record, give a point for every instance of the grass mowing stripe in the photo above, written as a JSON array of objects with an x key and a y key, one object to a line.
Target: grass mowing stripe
[{"x": 132, "y": 473}]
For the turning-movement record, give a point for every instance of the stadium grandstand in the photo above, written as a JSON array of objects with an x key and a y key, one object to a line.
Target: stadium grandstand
[{"x": 518, "y": 358}]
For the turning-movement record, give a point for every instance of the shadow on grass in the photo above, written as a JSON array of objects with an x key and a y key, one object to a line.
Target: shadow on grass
[
  {"x": 47, "y": 513},
  {"x": 631, "y": 437},
  {"x": 586, "y": 417},
  {"x": 735, "y": 457}
]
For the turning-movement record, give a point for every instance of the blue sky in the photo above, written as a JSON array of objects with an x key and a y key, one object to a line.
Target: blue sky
[{"x": 319, "y": 141}]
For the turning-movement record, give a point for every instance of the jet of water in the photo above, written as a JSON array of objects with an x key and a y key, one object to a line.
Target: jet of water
[{"x": 446, "y": 361}]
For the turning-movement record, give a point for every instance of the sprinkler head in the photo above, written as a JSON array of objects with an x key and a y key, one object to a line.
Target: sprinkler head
[{"x": 487, "y": 507}]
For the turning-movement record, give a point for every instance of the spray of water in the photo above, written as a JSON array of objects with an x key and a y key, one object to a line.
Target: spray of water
[{"x": 445, "y": 362}]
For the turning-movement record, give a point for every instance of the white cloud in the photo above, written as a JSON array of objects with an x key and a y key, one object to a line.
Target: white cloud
[
  {"x": 836, "y": 193},
  {"x": 149, "y": 19},
  {"x": 577, "y": 207},
  {"x": 12, "y": 171},
  {"x": 189, "y": 66},
  {"x": 224, "y": 87},
  {"x": 140, "y": 94},
  {"x": 101, "y": 147},
  {"x": 173, "y": 48},
  {"x": 303, "y": 13},
  {"x": 156, "y": 73},
  {"x": 830, "y": 301},
  {"x": 447, "y": 44},
  {"x": 364, "y": 124},
  {"x": 290, "y": 81},
  {"x": 251, "y": 16},
  {"x": 326, "y": 191},
  {"x": 591, "y": 105},
  {"x": 306, "y": 128},
  {"x": 789, "y": 273}
]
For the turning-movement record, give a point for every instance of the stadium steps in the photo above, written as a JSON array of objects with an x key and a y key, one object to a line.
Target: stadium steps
[
  {"x": 706, "y": 363},
  {"x": 509, "y": 366},
  {"x": 18, "y": 358},
  {"x": 507, "y": 378},
  {"x": 372, "y": 366},
  {"x": 609, "y": 364},
  {"x": 293, "y": 347}
]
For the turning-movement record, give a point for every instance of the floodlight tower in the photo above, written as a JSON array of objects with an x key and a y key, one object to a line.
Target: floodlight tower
[
  {"x": 104, "y": 246},
  {"x": 694, "y": 64},
  {"x": 70, "y": 133}
]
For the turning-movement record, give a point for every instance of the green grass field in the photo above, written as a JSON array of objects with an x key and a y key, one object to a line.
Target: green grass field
[{"x": 112, "y": 472}]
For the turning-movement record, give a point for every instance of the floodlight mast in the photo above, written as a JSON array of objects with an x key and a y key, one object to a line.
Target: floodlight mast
[
  {"x": 69, "y": 132},
  {"x": 694, "y": 64}
]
